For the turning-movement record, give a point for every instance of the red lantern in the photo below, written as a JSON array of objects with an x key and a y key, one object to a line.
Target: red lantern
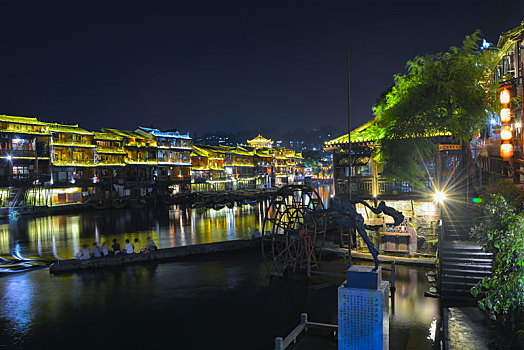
[
  {"x": 506, "y": 150},
  {"x": 505, "y": 115},
  {"x": 505, "y": 96},
  {"x": 505, "y": 133}
]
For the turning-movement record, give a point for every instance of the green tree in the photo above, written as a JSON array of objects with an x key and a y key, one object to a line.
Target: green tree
[
  {"x": 501, "y": 232},
  {"x": 442, "y": 94}
]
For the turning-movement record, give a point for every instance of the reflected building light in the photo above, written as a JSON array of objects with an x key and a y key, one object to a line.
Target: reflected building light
[
  {"x": 172, "y": 234},
  {"x": 193, "y": 225},
  {"x": 4, "y": 239},
  {"x": 97, "y": 235},
  {"x": 432, "y": 330},
  {"x": 55, "y": 251},
  {"x": 38, "y": 242},
  {"x": 182, "y": 231},
  {"x": 75, "y": 229},
  {"x": 16, "y": 304}
]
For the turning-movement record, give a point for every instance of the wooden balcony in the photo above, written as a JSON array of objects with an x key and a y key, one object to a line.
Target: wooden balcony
[{"x": 363, "y": 187}]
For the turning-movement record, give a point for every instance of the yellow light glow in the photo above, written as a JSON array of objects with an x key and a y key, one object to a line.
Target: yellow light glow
[
  {"x": 506, "y": 150},
  {"x": 67, "y": 190},
  {"x": 505, "y": 115},
  {"x": 439, "y": 196},
  {"x": 505, "y": 96},
  {"x": 505, "y": 133}
]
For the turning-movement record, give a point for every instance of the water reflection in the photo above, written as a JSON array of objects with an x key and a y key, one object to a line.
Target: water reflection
[
  {"x": 61, "y": 236},
  {"x": 230, "y": 299},
  {"x": 16, "y": 297}
]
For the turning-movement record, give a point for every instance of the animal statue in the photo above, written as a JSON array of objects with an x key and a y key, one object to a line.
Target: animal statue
[{"x": 348, "y": 217}]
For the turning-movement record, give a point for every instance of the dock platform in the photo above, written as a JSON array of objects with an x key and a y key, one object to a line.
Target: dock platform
[{"x": 115, "y": 260}]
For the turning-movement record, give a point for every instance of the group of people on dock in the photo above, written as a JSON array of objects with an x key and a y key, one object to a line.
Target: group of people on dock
[{"x": 103, "y": 250}]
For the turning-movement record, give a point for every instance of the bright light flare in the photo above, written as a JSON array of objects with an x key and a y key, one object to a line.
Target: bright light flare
[{"x": 439, "y": 196}]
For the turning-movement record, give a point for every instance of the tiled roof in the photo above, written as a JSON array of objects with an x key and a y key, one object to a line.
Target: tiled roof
[{"x": 68, "y": 129}]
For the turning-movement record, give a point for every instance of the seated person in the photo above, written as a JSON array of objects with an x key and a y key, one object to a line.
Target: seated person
[
  {"x": 97, "y": 252},
  {"x": 84, "y": 253},
  {"x": 116, "y": 247},
  {"x": 136, "y": 246},
  {"x": 128, "y": 248},
  {"x": 151, "y": 246},
  {"x": 105, "y": 250},
  {"x": 256, "y": 234}
]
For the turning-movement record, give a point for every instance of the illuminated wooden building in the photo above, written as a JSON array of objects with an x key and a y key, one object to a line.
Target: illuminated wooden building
[
  {"x": 72, "y": 153},
  {"x": 263, "y": 160},
  {"x": 280, "y": 166},
  {"x": 207, "y": 168},
  {"x": 366, "y": 173},
  {"x": 509, "y": 72},
  {"x": 223, "y": 167},
  {"x": 200, "y": 172},
  {"x": 174, "y": 158},
  {"x": 295, "y": 166},
  {"x": 240, "y": 164},
  {"x": 260, "y": 142},
  {"x": 24, "y": 150},
  {"x": 140, "y": 156},
  {"x": 109, "y": 159}
]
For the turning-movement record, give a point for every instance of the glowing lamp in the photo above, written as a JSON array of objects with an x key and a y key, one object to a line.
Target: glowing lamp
[
  {"x": 439, "y": 196},
  {"x": 505, "y": 96},
  {"x": 506, "y": 150},
  {"x": 505, "y": 115},
  {"x": 505, "y": 133}
]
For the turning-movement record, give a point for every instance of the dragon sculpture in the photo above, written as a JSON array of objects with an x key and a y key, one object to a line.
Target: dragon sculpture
[{"x": 348, "y": 217}]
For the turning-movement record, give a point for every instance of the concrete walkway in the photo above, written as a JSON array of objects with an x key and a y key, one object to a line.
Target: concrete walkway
[
  {"x": 416, "y": 261},
  {"x": 465, "y": 328}
]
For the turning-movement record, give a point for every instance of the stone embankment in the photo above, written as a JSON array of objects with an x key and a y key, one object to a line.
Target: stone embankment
[
  {"x": 72, "y": 265},
  {"x": 220, "y": 199},
  {"x": 205, "y": 199}
]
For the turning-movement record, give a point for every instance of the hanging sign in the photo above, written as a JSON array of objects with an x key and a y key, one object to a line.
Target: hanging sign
[{"x": 449, "y": 147}]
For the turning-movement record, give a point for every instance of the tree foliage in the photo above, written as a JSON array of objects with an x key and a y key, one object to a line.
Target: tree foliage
[
  {"x": 501, "y": 232},
  {"x": 442, "y": 94}
]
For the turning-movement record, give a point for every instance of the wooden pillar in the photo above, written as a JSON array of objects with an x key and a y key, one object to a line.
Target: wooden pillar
[{"x": 374, "y": 185}]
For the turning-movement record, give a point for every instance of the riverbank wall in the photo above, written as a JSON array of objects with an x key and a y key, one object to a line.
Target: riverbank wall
[{"x": 161, "y": 255}]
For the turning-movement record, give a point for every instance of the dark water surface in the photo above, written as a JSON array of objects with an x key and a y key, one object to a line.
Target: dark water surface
[
  {"x": 217, "y": 302},
  {"x": 220, "y": 302}
]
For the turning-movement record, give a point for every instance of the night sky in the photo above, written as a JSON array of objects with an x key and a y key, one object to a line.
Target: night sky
[{"x": 202, "y": 66}]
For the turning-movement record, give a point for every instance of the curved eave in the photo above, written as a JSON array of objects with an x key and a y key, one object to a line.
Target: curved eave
[
  {"x": 336, "y": 146},
  {"x": 75, "y": 165},
  {"x": 110, "y": 164},
  {"x": 101, "y": 151},
  {"x": 174, "y": 164},
  {"x": 24, "y": 132},
  {"x": 25, "y": 158},
  {"x": 70, "y": 145}
]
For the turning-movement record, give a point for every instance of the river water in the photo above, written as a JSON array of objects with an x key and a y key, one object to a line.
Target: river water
[
  {"x": 219, "y": 302},
  {"x": 61, "y": 236}
]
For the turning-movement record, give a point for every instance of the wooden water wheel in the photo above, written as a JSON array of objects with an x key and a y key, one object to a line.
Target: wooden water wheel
[{"x": 293, "y": 230}]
